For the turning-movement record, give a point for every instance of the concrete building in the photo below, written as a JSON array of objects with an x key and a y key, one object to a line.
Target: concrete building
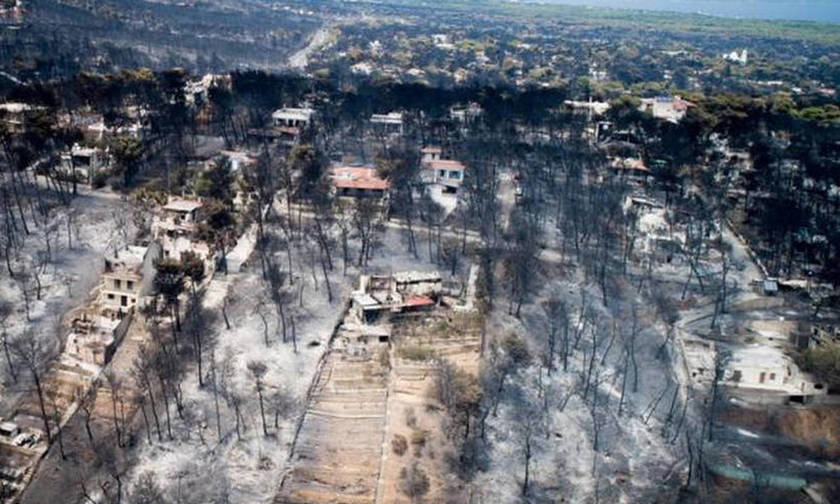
[
  {"x": 292, "y": 117},
  {"x": 197, "y": 92},
  {"x": 175, "y": 225},
  {"x": 736, "y": 57},
  {"x": 465, "y": 113},
  {"x": 630, "y": 168},
  {"x": 128, "y": 275},
  {"x": 447, "y": 173},
  {"x": 588, "y": 108},
  {"x": 85, "y": 162},
  {"x": 763, "y": 373},
  {"x": 392, "y": 122},
  {"x": 93, "y": 338},
  {"x": 671, "y": 109},
  {"x": 379, "y": 296},
  {"x": 430, "y": 153},
  {"x": 14, "y": 115}
]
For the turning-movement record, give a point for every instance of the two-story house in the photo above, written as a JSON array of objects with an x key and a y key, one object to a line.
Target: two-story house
[
  {"x": 175, "y": 225},
  {"x": 128, "y": 275}
]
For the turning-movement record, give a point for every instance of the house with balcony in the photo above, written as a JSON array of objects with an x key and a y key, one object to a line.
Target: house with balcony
[
  {"x": 175, "y": 226},
  {"x": 127, "y": 277},
  {"x": 14, "y": 114},
  {"x": 392, "y": 122},
  {"x": 290, "y": 121},
  {"x": 446, "y": 173}
]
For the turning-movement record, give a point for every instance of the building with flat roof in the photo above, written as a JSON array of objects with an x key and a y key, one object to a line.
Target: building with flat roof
[
  {"x": 175, "y": 225},
  {"x": 127, "y": 276},
  {"x": 379, "y": 296},
  {"x": 84, "y": 162},
  {"x": 390, "y": 122},
  {"x": 292, "y": 117},
  {"x": 763, "y": 371},
  {"x": 671, "y": 109},
  {"x": 14, "y": 115},
  {"x": 465, "y": 113}
]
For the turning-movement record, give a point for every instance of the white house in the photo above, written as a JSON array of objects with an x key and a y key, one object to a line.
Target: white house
[
  {"x": 127, "y": 276},
  {"x": 737, "y": 57},
  {"x": 465, "y": 114},
  {"x": 85, "y": 162},
  {"x": 767, "y": 369},
  {"x": 392, "y": 121},
  {"x": 445, "y": 172},
  {"x": 292, "y": 117},
  {"x": 430, "y": 153}
]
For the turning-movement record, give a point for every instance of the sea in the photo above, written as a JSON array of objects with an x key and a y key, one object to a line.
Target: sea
[{"x": 827, "y": 11}]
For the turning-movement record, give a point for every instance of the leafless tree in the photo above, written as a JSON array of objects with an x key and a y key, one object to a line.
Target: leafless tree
[
  {"x": 31, "y": 354},
  {"x": 87, "y": 403},
  {"x": 368, "y": 225},
  {"x": 6, "y": 310},
  {"x": 529, "y": 427},
  {"x": 53, "y": 396},
  {"x": 557, "y": 317},
  {"x": 226, "y": 302},
  {"x": 142, "y": 371},
  {"x": 115, "y": 387},
  {"x": 258, "y": 370},
  {"x": 147, "y": 490},
  {"x": 283, "y": 403}
]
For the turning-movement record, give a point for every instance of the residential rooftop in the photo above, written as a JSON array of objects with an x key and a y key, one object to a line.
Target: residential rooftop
[
  {"x": 358, "y": 177},
  {"x": 183, "y": 205}
]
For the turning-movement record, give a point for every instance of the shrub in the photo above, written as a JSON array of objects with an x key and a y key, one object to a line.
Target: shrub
[
  {"x": 416, "y": 352},
  {"x": 414, "y": 482},
  {"x": 418, "y": 437},
  {"x": 824, "y": 362},
  {"x": 99, "y": 180},
  {"x": 399, "y": 444}
]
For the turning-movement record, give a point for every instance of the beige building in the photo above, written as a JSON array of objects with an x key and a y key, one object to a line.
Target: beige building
[
  {"x": 127, "y": 276},
  {"x": 175, "y": 225}
]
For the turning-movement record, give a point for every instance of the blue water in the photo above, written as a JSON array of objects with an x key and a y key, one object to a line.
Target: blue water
[{"x": 808, "y": 10}]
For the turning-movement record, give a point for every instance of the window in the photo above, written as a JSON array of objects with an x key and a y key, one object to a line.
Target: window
[
  {"x": 772, "y": 376},
  {"x": 736, "y": 375},
  {"x": 761, "y": 377},
  {"x": 117, "y": 283},
  {"x": 110, "y": 296},
  {"x": 129, "y": 285},
  {"x": 123, "y": 300}
]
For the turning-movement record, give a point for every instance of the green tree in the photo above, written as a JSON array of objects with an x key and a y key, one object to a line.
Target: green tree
[
  {"x": 217, "y": 182},
  {"x": 169, "y": 284},
  {"x": 824, "y": 362},
  {"x": 127, "y": 151}
]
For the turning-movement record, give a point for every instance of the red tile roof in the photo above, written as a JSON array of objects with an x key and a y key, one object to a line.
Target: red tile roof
[
  {"x": 418, "y": 301},
  {"x": 352, "y": 177},
  {"x": 444, "y": 164}
]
